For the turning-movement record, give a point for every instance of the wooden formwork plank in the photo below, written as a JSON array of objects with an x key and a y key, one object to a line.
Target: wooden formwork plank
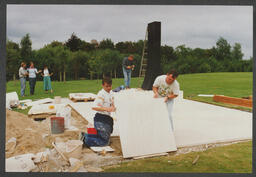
[{"x": 232, "y": 100}]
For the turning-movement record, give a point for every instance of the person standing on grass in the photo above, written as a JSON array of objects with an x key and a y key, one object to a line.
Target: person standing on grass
[
  {"x": 168, "y": 87},
  {"x": 32, "y": 77},
  {"x": 128, "y": 66},
  {"x": 103, "y": 123},
  {"x": 22, "y": 75},
  {"x": 47, "y": 79}
]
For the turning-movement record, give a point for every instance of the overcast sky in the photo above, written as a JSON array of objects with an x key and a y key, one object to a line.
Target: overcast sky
[{"x": 194, "y": 26}]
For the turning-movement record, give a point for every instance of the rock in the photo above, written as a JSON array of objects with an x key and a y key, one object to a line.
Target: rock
[
  {"x": 21, "y": 163},
  {"x": 42, "y": 156}
]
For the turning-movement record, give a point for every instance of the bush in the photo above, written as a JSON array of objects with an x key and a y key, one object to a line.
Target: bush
[
  {"x": 204, "y": 68},
  {"x": 183, "y": 69}
]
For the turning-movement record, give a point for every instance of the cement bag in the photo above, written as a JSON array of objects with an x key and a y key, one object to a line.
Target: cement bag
[
  {"x": 66, "y": 113},
  {"x": 12, "y": 100},
  {"x": 21, "y": 163}
]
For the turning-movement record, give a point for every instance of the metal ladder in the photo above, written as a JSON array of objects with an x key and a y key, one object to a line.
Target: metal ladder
[{"x": 143, "y": 64}]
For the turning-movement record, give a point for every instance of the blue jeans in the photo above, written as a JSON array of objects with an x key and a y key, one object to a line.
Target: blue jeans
[
  {"x": 22, "y": 86},
  {"x": 32, "y": 84},
  {"x": 127, "y": 77},
  {"x": 103, "y": 135},
  {"x": 169, "y": 105}
]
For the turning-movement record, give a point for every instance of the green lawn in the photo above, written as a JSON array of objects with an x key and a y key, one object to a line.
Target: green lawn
[
  {"x": 229, "y": 84},
  {"x": 235, "y": 158},
  {"x": 233, "y": 84},
  {"x": 63, "y": 89}
]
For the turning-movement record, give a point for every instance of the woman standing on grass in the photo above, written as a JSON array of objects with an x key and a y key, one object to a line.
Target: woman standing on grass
[
  {"x": 32, "y": 77},
  {"x": 47, "y": 79}
]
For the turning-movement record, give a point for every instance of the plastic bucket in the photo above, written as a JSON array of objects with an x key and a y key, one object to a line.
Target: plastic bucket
[{"x": 57, "y": 125}]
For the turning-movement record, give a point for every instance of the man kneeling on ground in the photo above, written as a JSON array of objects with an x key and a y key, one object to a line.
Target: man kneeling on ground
[{"x": 103, "y": 123}]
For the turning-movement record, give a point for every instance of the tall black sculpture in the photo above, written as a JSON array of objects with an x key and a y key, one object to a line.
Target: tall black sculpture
[{"x": 153, "y": 68}]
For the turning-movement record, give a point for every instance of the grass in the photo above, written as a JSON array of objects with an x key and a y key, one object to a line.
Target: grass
[
  {"x": 228, "y": 84},
  {"x": 63, "y": 89},
  {"x": 233, "y": 84},
  {"x": 235, "y": 158}
]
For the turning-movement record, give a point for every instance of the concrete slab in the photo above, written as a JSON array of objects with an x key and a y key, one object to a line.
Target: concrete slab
[{"x": 197, "y": 123}]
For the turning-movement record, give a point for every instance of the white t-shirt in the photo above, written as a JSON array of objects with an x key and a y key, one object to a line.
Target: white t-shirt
[
  {"x": 164, "y": 89},
  {"x": 104, "y": 99},
  {"x": 46, "y": 72},
  {"x": 32, "y": 72},
  {"x": 22, "y": 72}
]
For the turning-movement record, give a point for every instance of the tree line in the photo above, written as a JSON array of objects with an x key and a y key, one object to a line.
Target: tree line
[{"x": 77, "y": 59}]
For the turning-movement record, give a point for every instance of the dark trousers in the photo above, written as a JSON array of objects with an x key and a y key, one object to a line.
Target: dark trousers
[
  {"x": 32, "y": 84},
  {"x": 104, "y": 126}
]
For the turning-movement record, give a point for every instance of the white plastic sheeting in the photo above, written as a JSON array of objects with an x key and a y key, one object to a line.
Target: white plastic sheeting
[
  {"x": 12, "y": 100},
  {"x": 38, "y": 102}
]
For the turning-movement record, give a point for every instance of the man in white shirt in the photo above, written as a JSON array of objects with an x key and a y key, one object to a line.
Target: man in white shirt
[
  {"x": 167, "y": 86},
  {"x": 32, "y": 77},
  {"x": 103, "y": 123}
]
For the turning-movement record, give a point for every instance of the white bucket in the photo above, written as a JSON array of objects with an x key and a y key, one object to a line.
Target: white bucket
[{"x": 66, "y": 113}]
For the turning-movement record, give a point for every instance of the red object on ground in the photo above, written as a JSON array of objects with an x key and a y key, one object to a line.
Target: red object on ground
[{"x": 92, "y": 131}]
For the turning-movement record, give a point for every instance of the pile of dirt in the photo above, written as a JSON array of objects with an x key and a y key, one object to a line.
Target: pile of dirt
[
  {"x": 28, "y": 133},
  {"x": 35, "y": 136},
  {"x": 31, "y": 136}
]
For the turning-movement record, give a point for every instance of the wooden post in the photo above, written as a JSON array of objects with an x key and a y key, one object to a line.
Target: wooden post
[
  {"x": 60, "y": 76},
  {"x": 14, "y": 79},
  {"x": 91, "y": 75},
  {"x": 64, "y": 76}
]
